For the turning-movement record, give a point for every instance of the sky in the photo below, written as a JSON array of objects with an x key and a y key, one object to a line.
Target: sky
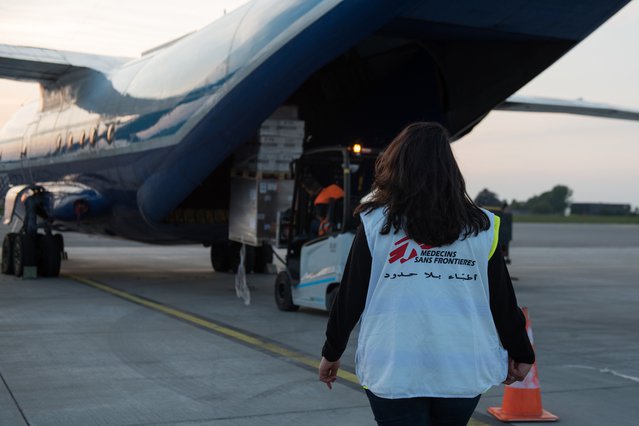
[{"x": 514, "y": 154}]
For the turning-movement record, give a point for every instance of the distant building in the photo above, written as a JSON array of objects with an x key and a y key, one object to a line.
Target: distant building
[{"x": 600, "y": 209}]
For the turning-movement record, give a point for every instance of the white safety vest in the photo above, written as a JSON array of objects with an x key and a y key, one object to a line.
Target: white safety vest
[{"x": 427, "y": 329}]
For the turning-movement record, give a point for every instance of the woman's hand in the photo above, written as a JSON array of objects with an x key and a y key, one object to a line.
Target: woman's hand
[
  {"x": 328, "y": 371},
  {"x": 517, "y": 371}
]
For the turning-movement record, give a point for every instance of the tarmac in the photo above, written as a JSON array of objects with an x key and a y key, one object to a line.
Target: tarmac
[{"x": 132, "y": 334}]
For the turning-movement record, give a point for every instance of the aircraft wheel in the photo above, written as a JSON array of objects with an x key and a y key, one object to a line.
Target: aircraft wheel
[
  {"x": 249, "y": 257},
  {"x": 283, "y": 294},
  {"x": 59, "y": 239},
  {"x": 24, "y": 253},
  {"x": 7, "y": 253},
  {"x": 263, "y": 256},
  {"x": 50, "y": 255},
  {"x": 220, "y": 259},
  {"x": 331, "y": 296}
]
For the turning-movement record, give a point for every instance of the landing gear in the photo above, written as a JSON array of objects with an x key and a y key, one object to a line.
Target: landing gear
[
  {"x": 7, "y": 253},
  {"x": 220, "y": 259},
  {"x": 24, "y": 253},
  {"x": 249, "y": 257},
  {"x": 42, "y": 252},
  {"x": 49, "y": 255},
  {"x": 24, "y": 250},
  {"x": 225, "y": 256},
  {"x": 263, "y": 256}
]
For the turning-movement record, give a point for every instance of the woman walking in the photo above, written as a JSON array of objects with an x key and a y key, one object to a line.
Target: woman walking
[{"x": 439, "y": 322}]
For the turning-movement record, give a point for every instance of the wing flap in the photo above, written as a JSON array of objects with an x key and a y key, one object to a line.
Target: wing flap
[
  {"x": 579, "y": 107},
  {"x": 47, "y": 65}
]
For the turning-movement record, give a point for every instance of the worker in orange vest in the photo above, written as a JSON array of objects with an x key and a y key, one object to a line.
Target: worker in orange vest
[
  {"x": 322, "y": 201},
  {"x": 321, "y": 197}
]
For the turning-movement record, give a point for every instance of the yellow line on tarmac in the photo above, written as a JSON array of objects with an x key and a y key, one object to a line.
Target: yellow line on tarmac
[
  {"x": 225, "y": 331},
  {"x": 217, "y": 328}
]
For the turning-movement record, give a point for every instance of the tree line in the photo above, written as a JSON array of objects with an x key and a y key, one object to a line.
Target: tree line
[{"x": 554, "y": 201}]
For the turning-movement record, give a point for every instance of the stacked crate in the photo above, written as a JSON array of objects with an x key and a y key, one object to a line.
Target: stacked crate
[
  {"x": 279, "y": 141},
  {"x": 261, "y": 187}
]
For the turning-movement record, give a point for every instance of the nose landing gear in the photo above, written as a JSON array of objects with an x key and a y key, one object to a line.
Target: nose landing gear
[{"x": 28, "y": 253}]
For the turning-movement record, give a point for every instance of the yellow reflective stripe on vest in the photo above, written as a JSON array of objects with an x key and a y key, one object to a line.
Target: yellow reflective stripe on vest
[{"x": 496, "y": 237}]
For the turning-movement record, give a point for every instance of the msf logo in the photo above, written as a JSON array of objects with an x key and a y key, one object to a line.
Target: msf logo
[{"x": 401, "y": 247}]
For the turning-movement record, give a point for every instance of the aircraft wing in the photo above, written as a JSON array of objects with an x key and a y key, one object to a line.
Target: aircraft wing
[
  {"x": 580, "y": 107},
  {"x": 47, "y": 65}
]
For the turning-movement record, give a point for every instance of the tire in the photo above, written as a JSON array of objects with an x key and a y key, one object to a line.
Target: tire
[
  {"x": 283, "y": 294},
  {"x": 7, "y": 253},
  {"x": 263, "y": 256},
  {"x": 49, "y": 256},
  {"x": 331, "y": 296},
  {"x": 60, "y": 241},
  {"x": 234, "y": 255},
  {"x": 220, "y": 259},
  {"x": 24, "y": 253},
  {"x": 225, "y": 257}
]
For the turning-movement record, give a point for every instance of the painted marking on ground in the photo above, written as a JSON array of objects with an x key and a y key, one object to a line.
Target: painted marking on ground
[
  {"x": 223, "y": 330},
  {"x": 234, "y": 334}
]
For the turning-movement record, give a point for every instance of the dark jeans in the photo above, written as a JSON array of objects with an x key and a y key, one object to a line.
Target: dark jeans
[{"x": 422, "y": 411}]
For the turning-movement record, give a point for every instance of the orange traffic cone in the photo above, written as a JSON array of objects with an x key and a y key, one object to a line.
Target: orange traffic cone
[{"x": 522, "y": 400}]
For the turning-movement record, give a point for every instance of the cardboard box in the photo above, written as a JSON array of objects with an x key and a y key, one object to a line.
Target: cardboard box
[
  {"x": 281, "y": 142},
  {"x": 254, "y": 158},
  {"x": 267, "y": 150},
  {"x": 254, "y": 207},
  {"x": 288, "y": 128},
  {"x": 285, "y": 112}
]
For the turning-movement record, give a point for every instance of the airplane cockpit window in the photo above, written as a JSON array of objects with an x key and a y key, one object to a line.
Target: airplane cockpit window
[
  {"x": 70, "y": 141},
  {"x": 83, "y": 138}
]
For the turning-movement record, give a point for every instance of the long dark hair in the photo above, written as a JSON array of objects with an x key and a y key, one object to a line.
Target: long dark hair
[{"x": 420, "y": 186}]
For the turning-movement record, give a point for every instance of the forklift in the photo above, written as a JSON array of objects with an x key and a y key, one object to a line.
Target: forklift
[{"x": 315, "y": 263}]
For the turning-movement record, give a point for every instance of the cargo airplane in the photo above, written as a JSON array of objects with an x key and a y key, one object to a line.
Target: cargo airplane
[{"x": 142, "y": 148}]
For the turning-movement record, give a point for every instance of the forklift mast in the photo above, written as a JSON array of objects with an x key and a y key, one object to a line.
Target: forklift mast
[{"x": 351, "y": 169}]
